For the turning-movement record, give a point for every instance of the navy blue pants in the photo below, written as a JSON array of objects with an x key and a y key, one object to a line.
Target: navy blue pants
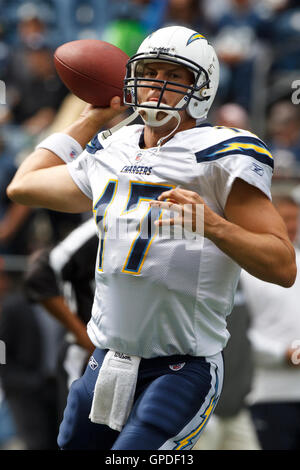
[
  {"x": 277, "y": 425},
  {"x": 174, "y": 399}
]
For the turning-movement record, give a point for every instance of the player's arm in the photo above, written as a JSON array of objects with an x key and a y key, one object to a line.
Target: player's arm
[
  {"x": 51, "y": 188},
  {"x": 41, "y": 286},
  {"x": 59, "y": 309},
  {"x": 43, "y": 180},
  {"x": 253, "y": 233}
]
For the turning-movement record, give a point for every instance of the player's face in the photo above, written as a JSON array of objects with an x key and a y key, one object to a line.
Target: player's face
[{"x": 164, "y": 71}]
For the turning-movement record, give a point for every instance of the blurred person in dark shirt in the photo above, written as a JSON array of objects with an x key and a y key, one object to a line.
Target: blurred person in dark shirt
[
  {"x": 239, "y": 34},
  {"x": 28, "y": 377},
  {"x": 187, "y": 13},
  {"x": 283, "y": 137},
  {"x": 61, "y": 279},
  {"x": 35, "y": 93},
  {"x": 14, "y": 218},
  {"x": 34, "y": 90}
]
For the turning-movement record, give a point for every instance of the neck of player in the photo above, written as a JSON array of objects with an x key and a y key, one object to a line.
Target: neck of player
[{"x": 152, "y": 135}]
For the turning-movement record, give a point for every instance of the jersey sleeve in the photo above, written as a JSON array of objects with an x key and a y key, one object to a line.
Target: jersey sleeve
[
  {"x": 82, "y": 167},
  {"x": 79, "y": 170},
  {"x": 245, "y": 157}
]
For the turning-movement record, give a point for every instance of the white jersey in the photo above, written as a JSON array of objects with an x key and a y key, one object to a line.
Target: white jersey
[{"x": 155, "y": 296}]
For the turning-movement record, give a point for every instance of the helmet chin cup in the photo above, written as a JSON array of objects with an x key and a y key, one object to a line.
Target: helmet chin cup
[{"x": 149, "y": 114}]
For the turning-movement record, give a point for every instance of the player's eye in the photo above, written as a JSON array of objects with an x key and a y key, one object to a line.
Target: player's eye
[
  {"x": 148, "y": 73},
  {"x": 174, "y": 76}
]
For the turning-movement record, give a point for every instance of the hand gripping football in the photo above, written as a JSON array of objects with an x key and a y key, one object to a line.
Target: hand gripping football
[{"x": 91, "y": 69}]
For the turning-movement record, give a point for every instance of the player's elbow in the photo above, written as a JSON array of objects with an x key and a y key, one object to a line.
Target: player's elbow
[
  {"x": 10, "y": 191},
  {"x": 288, "y": 277},
  {"x": 13, "y": 191},
  {"x": 283, "y": 267},
  {"x": 287, "y": 272},
  {"x": 17, "y": 192}
]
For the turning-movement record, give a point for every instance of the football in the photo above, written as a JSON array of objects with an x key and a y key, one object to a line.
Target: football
[{"x": 91, "y": 69}]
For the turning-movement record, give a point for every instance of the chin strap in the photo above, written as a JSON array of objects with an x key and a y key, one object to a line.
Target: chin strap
[
  {"x": 151, "y": 112},
  {"x": 149, "y": 115},
  {"x": 118, "y": 126},
  {"x": 150, "y": 120},
  {"x": 160, "y": 141}
]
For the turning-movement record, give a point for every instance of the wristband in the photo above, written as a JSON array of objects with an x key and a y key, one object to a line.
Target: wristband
[{"x": 63, "y": 145}]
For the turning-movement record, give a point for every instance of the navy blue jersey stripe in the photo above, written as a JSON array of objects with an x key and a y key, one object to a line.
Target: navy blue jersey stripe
[
  {"x": 237, "y": 145},
  {"x": 94, "y": 145}
]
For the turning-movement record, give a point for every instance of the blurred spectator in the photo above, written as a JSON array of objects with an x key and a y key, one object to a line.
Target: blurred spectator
[
  {"x": 78, "y": 19},
  {"x": 31, "y": 29},
  {"x": 283, "y": 137},
  {"x": 275, "y": 339},
  {"x": 237, "y": 41},
  {"x": 150, "y": 13},
  {"x": 14, "y": 218},
  {"x": 285, "y": 37},
  {"x": 214, "y": 10},
  {"x": 61, "y": 279},
  {"x": 28, "y": 377},
  {"x": 232, "y": 115},
  {"x": 231, "y": 426},
  {"x": 187, "y": 13},
  {"x": 34, "y": 89},
  {"x": 9, "y": 439},
  {"x": 4, "y": 51}
]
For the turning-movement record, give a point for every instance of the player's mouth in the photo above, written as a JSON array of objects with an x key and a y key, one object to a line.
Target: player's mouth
[{"x": 155, "y": 99}]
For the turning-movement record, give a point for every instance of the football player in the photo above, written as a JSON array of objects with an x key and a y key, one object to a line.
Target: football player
[{"x": 159, "y": 315}]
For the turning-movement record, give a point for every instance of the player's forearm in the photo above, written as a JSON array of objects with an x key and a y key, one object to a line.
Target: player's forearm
[
  {"x": 58, "y": 308},
  {"x": 82, "y": 130},
  {"x": 263, "y": 255},
  {"x": 51, "y": 188},
  {"x": 92, "y": 120}
]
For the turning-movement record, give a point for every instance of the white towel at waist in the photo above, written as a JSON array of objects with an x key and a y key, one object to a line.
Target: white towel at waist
[{"x": 114, "y": 390}]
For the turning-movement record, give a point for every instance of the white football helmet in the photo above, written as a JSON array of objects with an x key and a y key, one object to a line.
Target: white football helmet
[{"x": 182, "y": 46}]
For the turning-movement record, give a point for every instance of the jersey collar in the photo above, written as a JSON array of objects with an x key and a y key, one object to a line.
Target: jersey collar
[{"x": 142, "y": 139}]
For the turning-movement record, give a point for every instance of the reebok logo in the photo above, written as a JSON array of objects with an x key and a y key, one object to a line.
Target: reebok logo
[
  {"x": 122, "y": 356},
  {"x": 257, "y": 169},
  {"x": 93, "y": 363}
]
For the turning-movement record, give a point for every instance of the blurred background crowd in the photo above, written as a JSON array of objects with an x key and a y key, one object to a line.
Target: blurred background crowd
[{"x": 258, "y": 45}]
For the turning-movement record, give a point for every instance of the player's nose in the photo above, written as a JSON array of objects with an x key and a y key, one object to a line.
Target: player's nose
[{"x": 160, "y": 75}]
